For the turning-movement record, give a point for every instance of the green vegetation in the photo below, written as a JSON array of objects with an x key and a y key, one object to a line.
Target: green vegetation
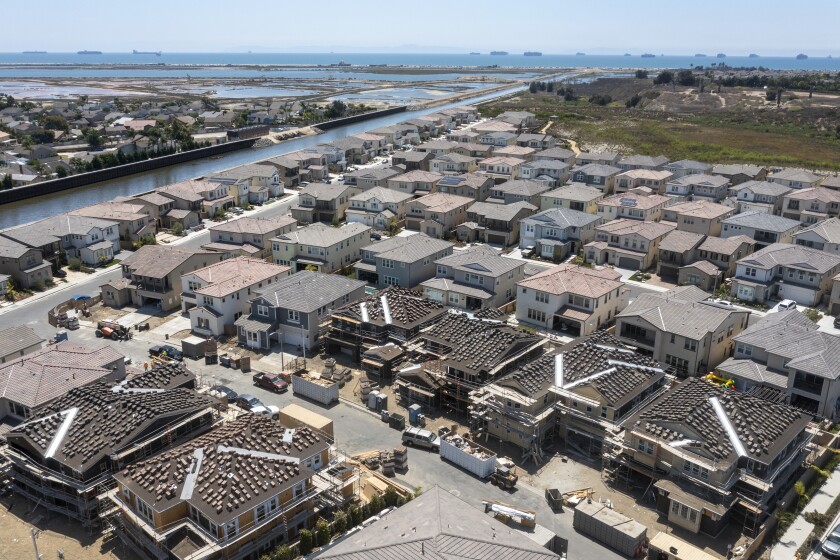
[
  {"x": 74, "y": 264},
  {"x": 813, "y": 314}
]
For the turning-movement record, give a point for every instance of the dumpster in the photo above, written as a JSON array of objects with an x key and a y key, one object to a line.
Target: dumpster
[{"x": 397, "y": 421}]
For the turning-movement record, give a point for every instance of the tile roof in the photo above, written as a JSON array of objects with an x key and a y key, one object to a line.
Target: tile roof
[
  {"x": 815, "y": 193},
  {"x": 227, "y": 471},
  {"x": 680, "y": 241},
  {"x": 382, "y": 194},
  {"x": 796, "y": 256},
  {"x": 247, "y": 171},
  {"x": 624, "y": 226},
  {"x": 597, "y": 169},
  {"x": 501, "y": 212},
  {"x": 688, "y": 164},
  {"x": 321, "y": 235},
  {"x": 795, "y": 175},
  {"x": 157, "y": 261},
  {"x": 753, "y": 371},
  {"x": 50, "y": 230},
  {"x": 449, "y": 285},
  {"x": 232, "y": 275},
  {"x": 438, "y": 526},
  {"x": 308, "y": 291},
  {"x": 481, "y": 258},
  {"x": 324, "y": 191},
  {"x": 650, "y": 161},
  {"x": 442, "y": 202},
  {"x": 575, "y": 192},
  {"x": 12, "y": 249},
  {"x": 700, "y": 209},
  {"x": 259, "y": 226},
  {"x": 737, "y": 169},
  {"x": 762, "y": 221},
  {"x": 686, "y": 412},
  {"x": 725, "y": 246},
  {"x": 649, "y": 174},
  {"x": 408, "y": 308},
  {"x": 580, "y": 280},
  {"x": 703, "y": 266},
  {"x": 762, "y": 187},
  {"x": 635, "y": 200},
  {"x": 17, "y": 338},
  {"x": 829, "y": 230},
  {"x": 554, "y": 153},
  {"x": 418, "y": 176},
  {"x": 521, "y": 187},
  {"x": 410, "y": 248},
  {"x": 562, "y": 218},
  {"x": 700, "y": 179}
]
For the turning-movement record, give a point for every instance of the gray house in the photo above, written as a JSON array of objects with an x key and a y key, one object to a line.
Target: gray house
[
  {"x": 296, "y": 309},
  {"x": 401, "y": 261},
  {"x": 558, "y": 232},
  {"x": 764, "y": 228}
]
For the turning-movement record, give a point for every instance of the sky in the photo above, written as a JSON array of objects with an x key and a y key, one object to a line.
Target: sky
[{"x": 736, "y": 27}]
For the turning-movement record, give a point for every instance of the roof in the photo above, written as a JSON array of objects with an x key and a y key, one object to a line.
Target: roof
[
  {"x": 12, "y": 249},
  {"x": 795, "y": 175},
  {"x": 682, "y": 311},
  {"x": 688, "y": 164},
  {"x": 410, "y": 248},
  {"x": 231, "y": 469},
  {"x": 157, "y": 261},
  {"x": 829, "y": 230},
  {"x": 232, "y": 275},
  {"x": 449, "y": 285},
  {"x": 439, "y": 526},
  {"x": 737, "y": 169},
  {"x": 753, "y": 371},
  {"x": 762, "y": 187},
  {"x": 322, "y": 235},
  {"x": 648, "y": 161},
  {"x": 687, "y": 412},
  {"x": 122, "y": 211},
  {"x": 796, "y": 256},
  {"x": 554, "y": 153},
  {"x": 308, "y": 291},
  {"x": 480, "y": 259},
  {"x": 703, "y": 266},
  {"x": 815, "y": 193},
  {"x": 501, "y": 212},
  {"x": 635, "y": 200},
  {"x": 375, "y": 173},
  {"x": 521, "y": 187},
  {"x": 442, "y": 202},
  {"x": 580, "y": 280},
  {"x": 725, "y": 246},
  {"x": 575, "y": 192},
  {"x": 407, "y": 309},
  {"x": 597, "y": 156},
  {"x": 247, "y": 171},
  {"x": 417, "y": 176},
  {"x": 17, "y": 338},
  {"x": 104, "y": 417},
  {"x": 625, "y": 226},
  {"x": 680, "y": 241},
  {"x": 382, "y": 194},
  {"x": 562, "y": 218},
  {"x": 598, "y": 169},
  {"x": 324, "y": 191},
  {"x": 191, "y": 189},
  {"x": 700, "y": 179},
  {"x": 649, "y": 174},
  {"x": 49, "y": 230},
  {"x": 546, "y": 164},
  {"x": 700, "y": 209},
  {"x": 762, "y": 221},
  {"x": 259, "y": 226}
]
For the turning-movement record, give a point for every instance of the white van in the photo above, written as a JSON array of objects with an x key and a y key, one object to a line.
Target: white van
[
  {"x": 787, "y": 304},
  {"x": 421, "y": 438}
]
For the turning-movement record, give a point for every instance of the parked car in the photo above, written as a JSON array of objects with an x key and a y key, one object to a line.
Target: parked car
[
  {"x": 787, "y": 304},
  {"x": 271, "y": 381},
  {"x": 831, "y": 545},
  {"x": 166, "y": 350},
  {"x": 837, "y": 322},
  {"x": 268, "y": 410},
  {"x": 421, "y": 438},
  {"x": 226, "y": 391},
  {"x": 375, "y": 236},
  {"x": 248, "y": 402},
  {"x": 237, "y": 210}
]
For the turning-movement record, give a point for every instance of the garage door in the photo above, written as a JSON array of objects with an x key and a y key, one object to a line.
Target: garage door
[
  {"x": 496, "y": 239},
  {"x": 292, "y": 338},
  {"x": 627, "y": 262}
]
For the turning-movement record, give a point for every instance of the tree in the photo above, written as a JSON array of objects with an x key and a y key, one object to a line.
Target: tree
[
  {"x": 770, "y": 95},
  {"x": 283, "y": 552},
  {"x": 306, "y": 542},
  {"x": 600, "y": 99},
  {"x": 44, "y": 137},
  {"x": 633, "y": 101},
  {"x": 664, "y": 77},
  {"x": 178, "y": 228},
  {"x": 355, "y": 513},
  {"x": 7, "y": 181},
  {"x": 61, "y": 171},
  {"x": 55, "y": 122},
  {"x": 390, "y": 497},
  {"x": 93, "y": 138},
  {"x": 339, "y": 522},
  {"x": 322, "y": 532},
  {"x": 336, "y": 110},
  {"x": 374, "y": 505},
  {"x": 641, "y": 74},
  {"x": 533, "y": 87},
  {"x": 96, "y": 163},
  {"x": 685, "y": 78}
]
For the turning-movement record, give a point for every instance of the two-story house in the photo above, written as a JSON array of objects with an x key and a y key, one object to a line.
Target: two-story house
[
  {"x": 574, "y": 196},
  {"x": 472, "y": 185},
  {"x": 709, "y": 469},
  {"x": 401, "y": 261},
  {"x": 636, "y": 161},
  {"x": 437, "y": 147},
  {"x": 569, "y": 298},
  {"x": 254, "y": 183},
  {"x": 288, "y": 169},
  {"x": 135, "y": 221},
  {"x": 654, "y": 179},
  {"x": 764, "y": 228},
  {"x": 676, "y": 250},
  {"x": 639, "y": 204},
  {"x": 740, "y": 173},
  {"x": 598, "y": 175},
  {"x": 557, "y": 233},
  {"x": 320, "y": 247},
  {"x": 413, "y": 160},
  {"x": 785, "y": 271},
  {"x": 725, "y": 253},
  {"x": 681, "y": 329},
  {"x": 698, "y": 216},
  {"x": 630, "y": 244},
  {"x": 559, "y": 154},
  {"x": 453, "y": 164},
  {"x": 478, "y": 151},
  {"x": 378, "y": 208},
  {"x": 501, "y": 168},
  {"x": 699, "y": 186},
  {"x": 496, "y": 224},
  {"x": 551, "y": 171},
  {"x": 322, "y": 202},
  {"x": 91, "y": 240},
  {"x": 795, "y": 178},
  {"x": 760, "y": 196},
  {"x": 687, "y": 167},
  {"x": 474, "y": 278},
  {"x": 518, "y": 190},
  {"x": 295, "y": 309},
  {"x": 200, "y": 196},
  {"x": 247, "y": 236},
  {"x": 824, "y": 236},
  {"x": 247, "y": 485},
  {"x": 811, "y": 205},
  {"x": 520, "y": 152},
  {"x": 152, "y": 276},
  {"x": 417, "y": 183},
  {"x": 23, "y": 264},
  {"x": 497, "y": 138},
  {"x": 787, "y": 353},
  {"x": 536, "y": 141},
  {"x": 602, "y": 158},
  {"x": 217, "y": 295},
  {"x": 371, "y": 177},
  {"x": 437, "y": 214}
]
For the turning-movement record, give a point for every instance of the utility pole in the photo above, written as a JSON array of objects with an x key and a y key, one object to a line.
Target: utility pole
[{"x": 34, "y": 534}]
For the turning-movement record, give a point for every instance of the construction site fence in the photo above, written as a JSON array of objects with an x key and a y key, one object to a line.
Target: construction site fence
[{"x": 52, "y": 314}]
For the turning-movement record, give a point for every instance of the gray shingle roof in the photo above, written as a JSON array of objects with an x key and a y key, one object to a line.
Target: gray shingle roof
[
  {"x": 762, "y": 221},
  {"x": 321, "y": 235},
  {"x": 15, "y": 339},
  {"x": 562, "y": 218},
  {"x": 409, "y": 249},
  {"x": 762, "y": 187},
  {"x": 383, "y": 194},
  {"x": 307, "y": 291},
  {"x": 481, "y": 259},
  {"x": 797, "y": 256},
  {"x": 501, "y": 212},
  {"x": 827, "y": 229}
]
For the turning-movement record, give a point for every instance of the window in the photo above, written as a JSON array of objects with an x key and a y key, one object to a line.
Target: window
[
  {"x": 690, "y": 344},
  {"x": 536, "y": 315},
  {"x": 645, "y": 446},
  {"x": 391, "y": 281},
  {"x": 541, "y": 297},
  {"x": 208, "y": 300},
  {"x": 145, "y": 511},
  {"x": 203, "y": 323},
  {"x": 262, "y": 310},
  {"x": 696, "y": 469},
  {"x": 299, "y": 489},
  {"x": 387, "y": 263},
  {"x": 750, "y": 272},
  {"x": 744, "y": 349},
  {"x": 293, "y": 316},
  {"x": 232, "y": 527}
]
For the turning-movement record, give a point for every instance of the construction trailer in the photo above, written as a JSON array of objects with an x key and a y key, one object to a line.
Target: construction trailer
[{"x": 294, "y": 416}]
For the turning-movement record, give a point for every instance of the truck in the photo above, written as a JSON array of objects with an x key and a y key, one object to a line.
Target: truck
[
  {"x": 319, "y": 390},
  {"x": 112, "y": 330},
  {"x": 270, "y": 381},
  {"x": 604, "y": 524}
]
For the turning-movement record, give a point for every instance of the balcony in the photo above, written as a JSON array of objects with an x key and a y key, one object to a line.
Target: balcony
[
  {"x": 811, "y": 388},
  {"x": 639, "y": 339}
]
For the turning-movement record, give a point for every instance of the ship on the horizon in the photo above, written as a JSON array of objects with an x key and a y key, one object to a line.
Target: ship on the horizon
[
  {"x": 34, "y": 52},
  {"x": 700, "y": 55},
  {"x": 721, "y": 55},
  {"x": 580, "y": 54},
  {"x": 156, "y": 53},
  {"x": 498, "y": 53},
  {"x": 801, "y": 56},
  {"x": 474, "y": 53},
  {"x": 89, "y": 52},
  {"x": 627, "y": 54},
  {"x": 753, "y": 55},
  {"x": 533, "y": 53},
  {"x": 648, "y": 55}
]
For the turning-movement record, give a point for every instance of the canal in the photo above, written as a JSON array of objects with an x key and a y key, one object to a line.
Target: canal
[{"x": 33, "y": 209}]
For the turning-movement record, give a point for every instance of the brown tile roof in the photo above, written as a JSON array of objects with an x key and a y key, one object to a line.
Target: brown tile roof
[
  {"x": 580, "y": 280},
  {"x": 157, "y": 261},
  {"x": 232, "y": 275},
  {"x": 258, "y": 226},
  {"x": 648, "y": 230}
]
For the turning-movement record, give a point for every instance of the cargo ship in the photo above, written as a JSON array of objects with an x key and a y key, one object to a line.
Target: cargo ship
[
  {"x": 498, "y": 53},
  {"x": 648, "y": 55},
  {"x": 156, "y": 53},
  {"x": 700, "y": 55},
  {"x": 34, "y": 52},
  {"x": 580, "y": 54},
  {"x": 533, "y": 53},
  {"x": 474, "y": 53},
  {"x": 89, "y": 52}
]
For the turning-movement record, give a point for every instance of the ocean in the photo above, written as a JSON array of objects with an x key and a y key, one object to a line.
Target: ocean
[{"x": 148, "y": 66}]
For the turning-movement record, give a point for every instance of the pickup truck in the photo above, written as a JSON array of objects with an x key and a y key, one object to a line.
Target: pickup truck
[{"x": 270, "y": 381}]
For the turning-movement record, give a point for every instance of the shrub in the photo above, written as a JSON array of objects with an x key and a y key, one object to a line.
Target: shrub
[
  {"x": 283, "y": 552},
  {"x": 339, "y": 522},
  {"x": 178, "y": 228},
  {"x": 322, "y": 532},
  {"x": 664, "y": 77},
  {"x": 633, "y": 101},
  {"x": 74, "y": 264},
  {"x": 306, "y": 542},
  {"x": 38, "y": 285},
  {"x": 391, "y": 498},
  {"x": 355, "y": 515},
  {"x": 813, "y": 315},
  {"x": 374, "y": 505},
  {"x": 641, "y": 74}
]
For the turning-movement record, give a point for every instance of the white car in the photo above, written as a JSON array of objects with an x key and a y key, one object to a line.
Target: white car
[
  {"x": 787, "y": 304},
  {"x": 268, "y": 410}
]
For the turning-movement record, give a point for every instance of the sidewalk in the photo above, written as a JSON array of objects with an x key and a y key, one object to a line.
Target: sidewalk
[{"x": 798, "y": 532}]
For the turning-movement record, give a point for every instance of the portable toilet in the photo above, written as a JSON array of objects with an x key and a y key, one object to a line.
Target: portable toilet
[
  {"x": 372, "y": 400},
  {"x": 382, "y": 402},
  {"x": 414, "y": 414},
  {"x": 60, "y": 335}
]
